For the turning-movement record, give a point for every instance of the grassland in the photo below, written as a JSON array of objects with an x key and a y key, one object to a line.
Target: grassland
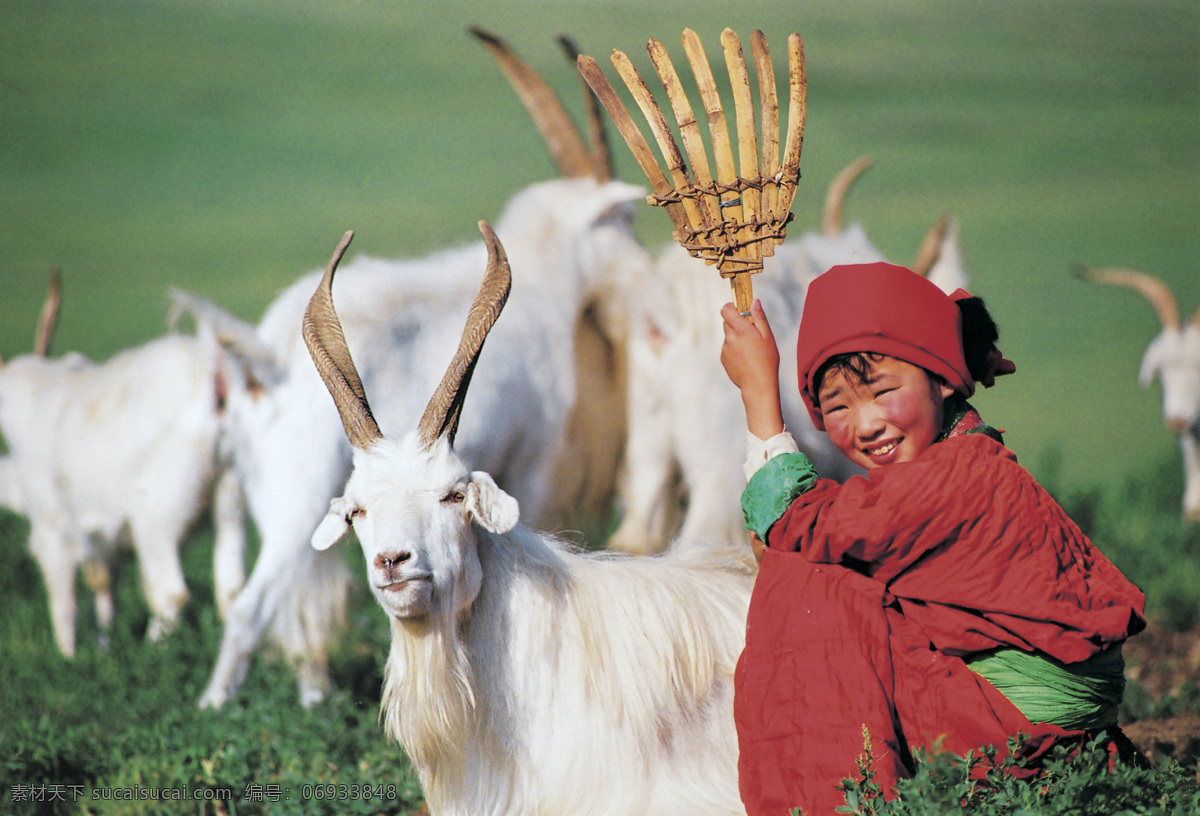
[{"x": 224, "y": 146}]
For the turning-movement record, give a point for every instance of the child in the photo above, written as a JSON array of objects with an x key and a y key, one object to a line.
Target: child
[{"x": 942, "y": 601}]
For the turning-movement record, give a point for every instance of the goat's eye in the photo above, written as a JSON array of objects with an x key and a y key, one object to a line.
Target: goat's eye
[
  {"x": 357, "y": 512},
  {"x": 454, "y": 497}
]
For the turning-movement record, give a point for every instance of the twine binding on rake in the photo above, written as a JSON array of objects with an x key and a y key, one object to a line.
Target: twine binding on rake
[
  {"x": 733, "y": 219},
  {"x": 727, "y": 243}
]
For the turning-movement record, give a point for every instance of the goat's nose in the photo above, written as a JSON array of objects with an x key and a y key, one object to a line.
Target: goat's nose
[{"x": 389, "y": 561}]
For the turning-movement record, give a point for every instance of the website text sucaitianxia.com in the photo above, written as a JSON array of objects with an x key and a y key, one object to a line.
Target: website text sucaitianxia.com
[{"x": 252, "y": 793}]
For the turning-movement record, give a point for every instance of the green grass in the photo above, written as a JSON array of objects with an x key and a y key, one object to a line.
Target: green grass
[
  {"x": 125, "y": 717},
  {"x": 981, "y": 784}
]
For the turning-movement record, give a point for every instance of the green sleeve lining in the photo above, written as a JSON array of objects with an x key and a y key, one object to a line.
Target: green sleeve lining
[{"x": 773, "y": 488}]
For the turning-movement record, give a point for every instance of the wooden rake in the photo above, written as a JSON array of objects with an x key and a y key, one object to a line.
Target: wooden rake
[{"x": 735, "y": 219}]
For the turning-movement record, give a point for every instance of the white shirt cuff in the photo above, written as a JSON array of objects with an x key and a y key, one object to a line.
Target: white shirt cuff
[{"x": 761, "y": 451}]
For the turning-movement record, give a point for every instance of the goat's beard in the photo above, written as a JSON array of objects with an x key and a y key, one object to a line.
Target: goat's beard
[
  {"x": 428, "y": 702},
  {"x": 413, "y": 601}
]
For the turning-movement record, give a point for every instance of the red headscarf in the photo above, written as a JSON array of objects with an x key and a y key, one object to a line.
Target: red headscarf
[{"x": 882, "y": 308}]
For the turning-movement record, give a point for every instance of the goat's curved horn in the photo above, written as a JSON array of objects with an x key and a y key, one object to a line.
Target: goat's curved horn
[
  {"x": 48, "y": 319},
  {"x": 445, "y": 406},
  {"x": 598, "y": 152},
  {"x": 327, "y": 344},
  {"x": 1151, "y": 288},
  {"x": 931, "y": 246},
  {"x": 565, "y": 144},
  {"x": 835, "y": 196}
]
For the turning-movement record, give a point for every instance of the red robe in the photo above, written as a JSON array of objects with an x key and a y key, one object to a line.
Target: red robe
[{"x": 870, "y": 592}]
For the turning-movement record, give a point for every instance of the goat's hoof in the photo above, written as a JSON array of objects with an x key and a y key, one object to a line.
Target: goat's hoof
[
  {"x": 310, "y": 697},
  {"x": 212, "y": 700}
]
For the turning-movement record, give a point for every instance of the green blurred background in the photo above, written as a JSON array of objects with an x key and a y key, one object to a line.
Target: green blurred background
[{"x": 224, "y": 146}]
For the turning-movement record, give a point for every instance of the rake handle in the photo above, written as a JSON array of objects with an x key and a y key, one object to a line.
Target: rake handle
[{"x": 743, "y": 293}]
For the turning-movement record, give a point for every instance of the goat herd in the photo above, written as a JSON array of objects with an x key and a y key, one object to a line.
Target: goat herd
[{"x": 599, "y": 387}]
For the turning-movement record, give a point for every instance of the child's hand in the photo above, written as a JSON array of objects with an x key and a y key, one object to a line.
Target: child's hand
[
  {"x": 749, "y": 354},
  {"x": 751, "y": 359},
  {"x": 758, "y": 547}
]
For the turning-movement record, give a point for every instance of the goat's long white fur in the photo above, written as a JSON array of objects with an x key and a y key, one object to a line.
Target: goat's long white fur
[
  {"x": 574, "y": 244},
  {"x": 122, "y": 453},
  {"x": 533, "y": 678}
]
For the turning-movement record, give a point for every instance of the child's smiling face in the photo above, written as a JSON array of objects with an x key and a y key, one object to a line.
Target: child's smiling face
[{"x": 890, "y": 416}]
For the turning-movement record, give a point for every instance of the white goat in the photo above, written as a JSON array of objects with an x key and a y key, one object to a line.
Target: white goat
[
  {"x": 1174, "y": 357},
  {"x": 573, "y": 236},
  {"x": 123, "y": 453},
  {"x": 683, "y": 462},
  {"x": 524, "y": 676}
]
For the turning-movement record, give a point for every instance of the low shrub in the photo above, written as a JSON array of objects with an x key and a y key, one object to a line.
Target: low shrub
[{"x": 1071, "y": 785}]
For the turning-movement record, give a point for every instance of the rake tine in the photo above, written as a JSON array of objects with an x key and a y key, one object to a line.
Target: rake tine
[
  {"x": 600, "y": 86},
  {"x": 743, "y": 107},
  {"x": 722, "y": 151},
  {"x": 689, "y": 129},
  {"x": 735, "y": 219},
  {"x": 769, "y": 104},
  {"x": 662, "y": 133},
  {"x": 797, "y": 103},
  {"x": 723, "y": 154}
]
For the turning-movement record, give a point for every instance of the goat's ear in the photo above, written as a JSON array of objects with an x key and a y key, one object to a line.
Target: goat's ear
[
  {"x": 335, "y": 525},
  {"x": 1150, "y": 364},
  {"x": 617, "y": 200},
  {"x": 254, "y": 367},
  {"x": 492, "y": 508},
  {"x": 251, "y": 364}
]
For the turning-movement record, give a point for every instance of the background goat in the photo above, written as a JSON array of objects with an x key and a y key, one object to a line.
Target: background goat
[
  {"x": 1174, "y": 357},
  {"x": 517, "y": 661},
  {"x": 120, "y": 453},
  {"x": 686, "y": 443}
]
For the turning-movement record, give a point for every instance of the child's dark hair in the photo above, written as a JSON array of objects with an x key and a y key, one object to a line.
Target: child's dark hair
[
  {"x": 858, "y": 366},
  {"x": 979, "y": 335}
]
